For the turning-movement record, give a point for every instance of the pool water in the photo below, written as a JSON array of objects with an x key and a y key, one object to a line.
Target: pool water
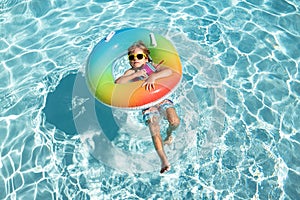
[{"x": 238, "y": 102}]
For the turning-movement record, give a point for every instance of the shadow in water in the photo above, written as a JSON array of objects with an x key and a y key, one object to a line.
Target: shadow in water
[{"x": 59, "y": 110}]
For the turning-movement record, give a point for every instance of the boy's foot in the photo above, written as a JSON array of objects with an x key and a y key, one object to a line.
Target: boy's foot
[
  {"x": 165, "y": 169},
  {"x": 168, "y": 140}
]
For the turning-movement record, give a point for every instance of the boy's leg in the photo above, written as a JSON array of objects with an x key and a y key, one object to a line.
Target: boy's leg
[
  {"x": 174, "y": 122},
  {"x": 153, "y": 124}
]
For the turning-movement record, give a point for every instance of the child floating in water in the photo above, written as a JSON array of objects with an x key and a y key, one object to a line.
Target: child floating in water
[{"x": 138, "y": 55}]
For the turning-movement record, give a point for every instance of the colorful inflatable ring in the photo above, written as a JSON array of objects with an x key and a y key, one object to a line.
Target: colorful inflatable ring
[{"x": 99, "y": 69}]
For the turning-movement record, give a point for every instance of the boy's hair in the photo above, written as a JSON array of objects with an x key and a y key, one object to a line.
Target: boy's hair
[{"x": 139, "y": 44}]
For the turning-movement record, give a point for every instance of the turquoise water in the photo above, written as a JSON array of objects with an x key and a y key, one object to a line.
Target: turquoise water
[{"x": 238, "y": 102}]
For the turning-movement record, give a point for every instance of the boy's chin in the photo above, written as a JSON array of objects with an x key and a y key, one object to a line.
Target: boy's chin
[{"x": 138, "y": 65}]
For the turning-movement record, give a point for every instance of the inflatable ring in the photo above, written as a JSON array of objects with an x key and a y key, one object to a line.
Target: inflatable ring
[{"x": 99, "y": 69}]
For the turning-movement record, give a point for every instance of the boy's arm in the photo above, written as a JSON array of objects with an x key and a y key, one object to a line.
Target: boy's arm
[
  {"x": 160, "y": 73},
  {"x": 129, "y": 75}
]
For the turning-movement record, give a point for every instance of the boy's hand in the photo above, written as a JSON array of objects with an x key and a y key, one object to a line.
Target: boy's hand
[{"x": 149, "y": 83}]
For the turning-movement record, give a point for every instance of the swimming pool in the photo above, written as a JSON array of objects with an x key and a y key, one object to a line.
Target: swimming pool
[{"x": 238, "y": 102}]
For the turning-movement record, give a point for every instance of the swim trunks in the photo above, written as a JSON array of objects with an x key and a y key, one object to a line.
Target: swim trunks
[{"x": 156, "y": 110}]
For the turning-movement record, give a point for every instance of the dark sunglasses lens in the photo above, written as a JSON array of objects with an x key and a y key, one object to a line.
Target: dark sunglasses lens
[
  {"x": 131, "y": 57},
  {"x": 140, "y": 56}
]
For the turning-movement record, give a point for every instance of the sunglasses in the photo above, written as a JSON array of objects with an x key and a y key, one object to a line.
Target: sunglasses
[{"x": 139, "y": 56}]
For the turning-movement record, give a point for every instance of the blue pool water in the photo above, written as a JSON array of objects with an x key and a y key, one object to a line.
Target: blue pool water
[{"x": 238, "y": 102}]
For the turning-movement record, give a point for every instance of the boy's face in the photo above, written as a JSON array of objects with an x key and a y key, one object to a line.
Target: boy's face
[{"x": 137, "y": 58}]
